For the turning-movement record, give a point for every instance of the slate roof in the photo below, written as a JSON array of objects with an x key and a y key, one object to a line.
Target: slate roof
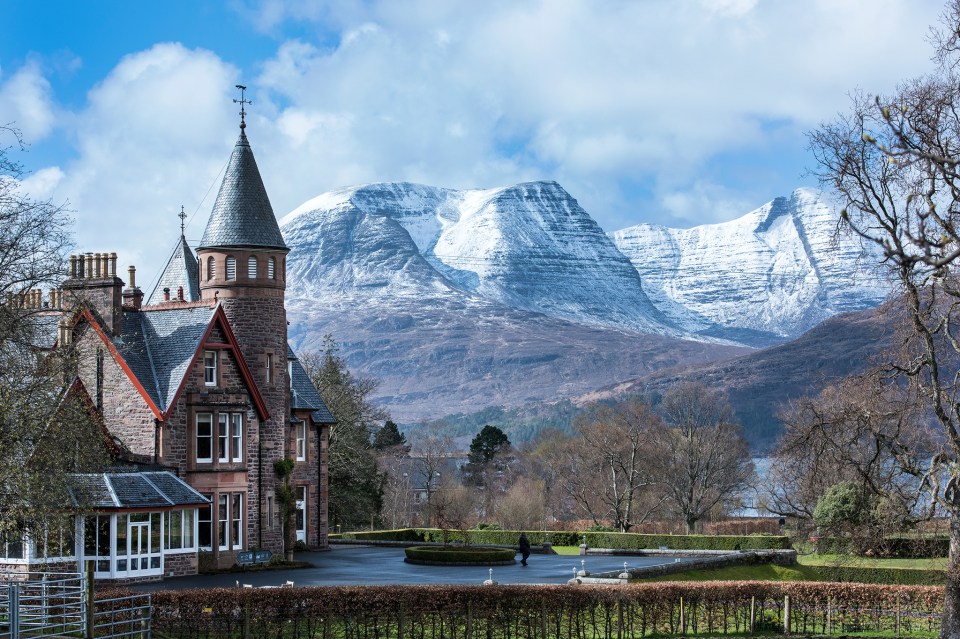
[
  {"x": 119, "y": 490},
  {"x": 158, "y": 346},
  {"x": 242, "y": 216},
  {"x": 304, "y": 395},
  {"x": 181, "y": 270}
]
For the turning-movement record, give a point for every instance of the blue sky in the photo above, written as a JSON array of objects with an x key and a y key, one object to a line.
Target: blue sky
[{"x": 678, "y": 112}]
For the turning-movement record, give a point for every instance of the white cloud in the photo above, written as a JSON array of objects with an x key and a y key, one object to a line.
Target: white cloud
[
  {"x": 599, "y": 96},
  {"x": 26, "y": 102},
  {"x": 153, "y": 136}
]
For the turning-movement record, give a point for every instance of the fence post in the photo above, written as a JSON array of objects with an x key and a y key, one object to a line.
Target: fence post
[
  {"x": 88, "y": 596},
  {"x": 898, "y": 614},
  {"x": 543, "y": 617},
  {"x": 619, "y": 620},
  {"x": 829, "y": 616},
  {"x": 683, "y": 619},
  {"x": 14, "y": 618},
  {"x": 786, "y": 614},
  {"x": 469, "y": 620},
  {"x": 753, "y": 613}
]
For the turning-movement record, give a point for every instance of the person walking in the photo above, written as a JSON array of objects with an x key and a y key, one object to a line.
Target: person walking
[{"x": 524, "y": 548}]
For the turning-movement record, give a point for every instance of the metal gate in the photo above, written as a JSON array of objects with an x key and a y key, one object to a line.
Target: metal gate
[{"x": 56, "y": 605}]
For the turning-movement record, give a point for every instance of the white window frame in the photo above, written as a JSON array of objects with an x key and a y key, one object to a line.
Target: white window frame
[
  {"x": 272, "y": 268},
  {"x": 269, "y": 365},
  {"x": 211, "y": 268},
  {"x": 223, "y": 438},
  {"x": 231, "y": 267},
  {"x": 235, "y": 515},
  {"x": 210, "y": 368},
  {"x": 197, "y": 438},
  {"x": 301, "y": 435},
  {"x": 236, "y": 437},
  {"x": 209, "y": 509},
  {"x": 223, "y": 521},
  {"x": 252, "y": 267}
]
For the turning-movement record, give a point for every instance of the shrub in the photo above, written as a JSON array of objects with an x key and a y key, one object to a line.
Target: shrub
[{"x": 459, "y": 554}]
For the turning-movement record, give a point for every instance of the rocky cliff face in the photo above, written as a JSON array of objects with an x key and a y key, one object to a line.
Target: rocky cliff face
[{"x": 760, "y": 279}]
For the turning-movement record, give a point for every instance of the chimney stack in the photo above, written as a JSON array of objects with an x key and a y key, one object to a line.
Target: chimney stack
[
  {"x": 93, "y": 282},
  {"x": 132, "y": 295}
]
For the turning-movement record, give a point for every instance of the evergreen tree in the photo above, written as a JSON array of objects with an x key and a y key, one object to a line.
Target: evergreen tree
[
  {"x": 389, "y": 436},
  {"x": 356, "y": 483},
  {"x": 484, "y": 449}
]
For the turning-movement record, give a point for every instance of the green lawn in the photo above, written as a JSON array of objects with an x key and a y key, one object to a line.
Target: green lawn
[
  {"x": 567, "y": 550},
  {"x": 871, "y": 562}
]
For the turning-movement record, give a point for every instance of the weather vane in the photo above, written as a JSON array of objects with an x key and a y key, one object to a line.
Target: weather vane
[
  {"x": 183, "y": 216},
  {"x": 242, "y": 101}
]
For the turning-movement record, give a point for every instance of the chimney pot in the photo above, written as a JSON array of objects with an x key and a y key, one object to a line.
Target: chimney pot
[
  {"x": 180, "y": 293},
  {"x": 166, "y": 294},
  {"x": 113, "y": 265},
  {"x": 73, "y": 266},
  {"x": 132, "y": 272}
]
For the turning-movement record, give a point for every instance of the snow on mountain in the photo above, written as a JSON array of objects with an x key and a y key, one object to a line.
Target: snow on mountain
[
  {"x": 527, "y": 247},
  {"x": 762, "y": 278}
]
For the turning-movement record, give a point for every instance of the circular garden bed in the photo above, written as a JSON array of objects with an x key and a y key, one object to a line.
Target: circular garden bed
[{"x": 460, "y": 555}]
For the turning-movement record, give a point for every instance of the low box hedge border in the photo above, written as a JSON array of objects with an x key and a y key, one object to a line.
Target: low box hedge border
[{"x": 460, "y": 556}]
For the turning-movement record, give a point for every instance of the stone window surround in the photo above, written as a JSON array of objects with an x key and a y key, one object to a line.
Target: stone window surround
[{"x": 221, "y": 417}]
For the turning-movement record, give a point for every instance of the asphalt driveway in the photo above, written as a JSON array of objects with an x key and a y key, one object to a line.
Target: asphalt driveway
[{"x": 368, "y": 565}]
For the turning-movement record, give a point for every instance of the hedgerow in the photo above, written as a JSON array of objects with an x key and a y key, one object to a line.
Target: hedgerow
[
  {"x": 621, "y": 541},
  {"x": 545, "y": 612}
]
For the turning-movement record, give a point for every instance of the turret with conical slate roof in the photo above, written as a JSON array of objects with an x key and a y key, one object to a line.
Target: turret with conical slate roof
[
  {"x": 242, "y": 259},
  {"x": 242, "y": 215}
]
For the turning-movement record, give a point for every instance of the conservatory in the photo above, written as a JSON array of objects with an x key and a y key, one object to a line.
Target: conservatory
[{"x": 141, "y": 526}]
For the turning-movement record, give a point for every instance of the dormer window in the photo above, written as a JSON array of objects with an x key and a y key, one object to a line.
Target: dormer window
[
  {"x": 211, "y": 268},
  {"x": 210, "y": 368},
  {"x": 231, "y": 267},
  {"x": 271, "y": 268},
  {"x": 252, "y": 267}
]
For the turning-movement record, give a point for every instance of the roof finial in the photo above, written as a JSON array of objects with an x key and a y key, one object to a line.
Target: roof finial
[
  {"x": 242, "y": 101},
  {"x": 183, "y": 216}
]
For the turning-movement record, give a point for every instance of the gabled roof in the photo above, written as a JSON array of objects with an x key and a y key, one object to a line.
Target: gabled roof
[
  {"x": 134, "y": 490},
  {"x": 242, "y": 216},
  {"x": 181, "y": 270},
  {"x": 304, "y": 395},
  {"x": 159, "y": 346}
]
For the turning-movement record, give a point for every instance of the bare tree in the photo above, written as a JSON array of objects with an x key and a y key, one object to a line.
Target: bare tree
[
  {"x": 702, "y": 457},
  {"x": 893, "y": 161},
  {"x": 47, "y": 429},
  {"x": 610, "y": 470},
  {"x": 430, "y": 454},
  {"x": 523, "y": 506}
]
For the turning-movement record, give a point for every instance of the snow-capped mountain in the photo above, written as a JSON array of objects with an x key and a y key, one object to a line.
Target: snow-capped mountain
[
  {"x": 760, "y": 279},
  {"x": 457, "y": 300},
  {"x": 529, "y": 247}
]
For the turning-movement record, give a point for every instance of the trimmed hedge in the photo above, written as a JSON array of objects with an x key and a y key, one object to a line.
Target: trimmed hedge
[
  {"x": 460, "y": 554},
  {"x": 901, "y": 547},
  {"x": 894, "y": 576},
  {"x": 525, "y": 612},
  {"x": 620, "y": 541},
  {"x": 631, "y": 541}
]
